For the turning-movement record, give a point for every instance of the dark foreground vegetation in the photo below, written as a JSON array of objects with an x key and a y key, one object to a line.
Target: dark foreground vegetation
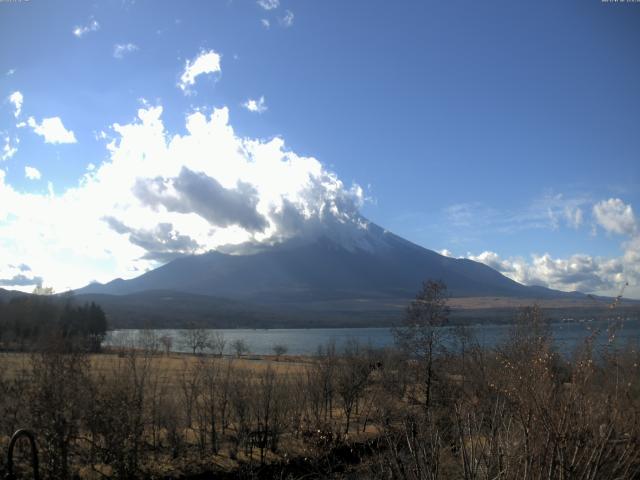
[
  {"x": 30, "y": 322},
  {"x": 516, "y": 411}
]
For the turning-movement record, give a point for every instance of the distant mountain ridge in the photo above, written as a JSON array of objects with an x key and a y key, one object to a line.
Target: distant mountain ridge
[{"x": 363, "y": 262}]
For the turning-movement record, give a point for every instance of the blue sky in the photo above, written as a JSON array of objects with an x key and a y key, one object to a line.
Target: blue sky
[{"x": 502, "y": 131}]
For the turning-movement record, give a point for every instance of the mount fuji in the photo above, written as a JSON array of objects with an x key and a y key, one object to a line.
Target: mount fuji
[{"x": 344, "y": 273}]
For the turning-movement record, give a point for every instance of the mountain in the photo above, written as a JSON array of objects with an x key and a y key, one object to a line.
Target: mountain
[
  {"x": 7, "y": 295},
  {"x": 351, "y": 263},
  {"x": 339, "y": 274}
]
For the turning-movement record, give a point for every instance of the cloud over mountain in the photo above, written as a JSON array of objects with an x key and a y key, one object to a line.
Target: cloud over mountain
[
  {"x": 192, "y": 192},
  {"x": 162, "y": 243},
  {"x": 160, "y": 195}
]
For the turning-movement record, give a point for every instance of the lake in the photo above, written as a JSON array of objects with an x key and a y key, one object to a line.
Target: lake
[{"x": 300, "y": 341}]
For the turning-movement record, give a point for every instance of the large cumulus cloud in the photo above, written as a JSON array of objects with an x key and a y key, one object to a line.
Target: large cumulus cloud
[{"x": 159, "y": 195}]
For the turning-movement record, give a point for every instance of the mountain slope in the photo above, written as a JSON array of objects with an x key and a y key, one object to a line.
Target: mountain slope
[
  {"x": 361, "y": 263},
  {"x": 7, "y": 295}
]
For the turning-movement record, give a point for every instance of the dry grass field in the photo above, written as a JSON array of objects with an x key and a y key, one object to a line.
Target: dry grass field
[
  {"x": 179, "y": 398},
  {"x": 516, "y": 410}
]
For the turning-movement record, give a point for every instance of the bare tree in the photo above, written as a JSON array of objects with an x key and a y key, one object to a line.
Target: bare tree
[
  {"x": 148, "y": 340},
  {"x": 265, "y": 403},
  {"x": 119, "y": 414},
  {"x": 240, "y": 347},
  {"x": 57, "y": 402},
  {"x": 217, "y": 342},
  {"x": 280, "y": 349},
  {"x": 189, "y": 382},
  {"x": 212, "y": 390},
  {"x": 420, "y": 332},
  {"x": 195, "y": 338},
  {"x": 324, "y": 377},
  {"x": 241, "y": 393},
  {"x": 352, "y": 376},
  {"x": 167, "y": 343}
]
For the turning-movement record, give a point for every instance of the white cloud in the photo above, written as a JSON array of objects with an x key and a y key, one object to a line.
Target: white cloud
[
  {"x": 52, "y": 130},
  {"x": 100, "y": 135},
  {"x": 560, "y": 210},
  {"x": 17, "y": 277},
  {"x": 8, "y": 150},
  {"x": 32, "y": 173},
  {"x": 549, "y": 211},
  {"x": 121, "y": 49},
  {"x": 81, "y": 30},
  {"x": 492, "y": 260},
  {"x": 445, "y": 253},
  {"x": 256, "y": 106},
  {"x": 585, "y": 273},
  {"x": 574, "y": 216},
  {"x": 16, "y": 98},
  {"x": 269, "y": 4},
  {"x": 265, "y": 23},
  {"x": 160, "y": 195},
  {"x": 206, "y": 62},
  {"x": 615, "y": 217},
  {"x": 287, "y": 20},
  {"x": 579, "y": 272},
  {"x": 10, "y": 72}
]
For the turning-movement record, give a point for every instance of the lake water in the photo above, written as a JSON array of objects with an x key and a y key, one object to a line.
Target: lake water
[{"x": 306, "y": 341}]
